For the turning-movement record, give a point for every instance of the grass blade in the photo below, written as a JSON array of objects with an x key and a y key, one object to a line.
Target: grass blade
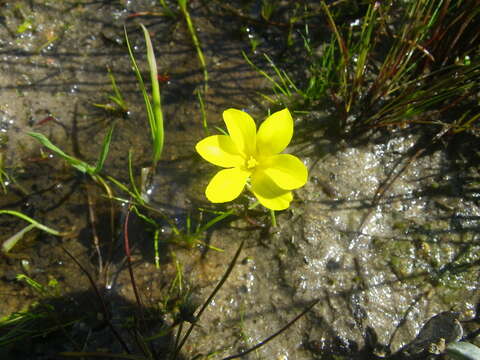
[
  {"x": 76, "y": 163},
  {"x": 103, "y": 154},
  {"x": 32, "y": 221},
  {"x": 157, "y": 123},
  {"x": 196, "y": 42},
  {"x": 12, "y": 240},
  {"x": 154, "y": 111},
  {"x": 203, "y": 112}
]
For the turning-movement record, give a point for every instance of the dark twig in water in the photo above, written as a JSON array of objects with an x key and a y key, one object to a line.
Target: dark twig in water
[
  {"x": 271, "y": 337},
  {"x": 383, "y": 188},
  {"x": 106, "y": 315},
  {"x": 93, "y": 223},
  {"x": 210, "y": 298},
  {"x": 141, "y": 316},
  {"x": 177, "y": 338},
  {"x": 129, "y": 263}
]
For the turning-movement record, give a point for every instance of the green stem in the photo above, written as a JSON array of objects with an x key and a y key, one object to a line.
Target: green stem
[
  {"x": 196, "y": 42},
  {"x": 274, "y": 219}
]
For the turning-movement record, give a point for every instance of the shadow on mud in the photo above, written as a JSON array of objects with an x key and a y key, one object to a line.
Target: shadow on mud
[{"x": 80, "y": 323}]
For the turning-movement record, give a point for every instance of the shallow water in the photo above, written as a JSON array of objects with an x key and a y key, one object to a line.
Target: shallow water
[{"x": 385, "y": 263}]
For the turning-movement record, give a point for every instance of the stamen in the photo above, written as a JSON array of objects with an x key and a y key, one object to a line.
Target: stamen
[{"x": 251, "y": 162}]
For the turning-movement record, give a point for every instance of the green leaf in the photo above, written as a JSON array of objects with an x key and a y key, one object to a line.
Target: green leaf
[
  {"x": 12, "y": 241},
  {"x": 157, "y": 127},
  {"x": 76, "y": 163},
  {"x": 26, "y": 25},
  {"x": 105, "y": 147},
  {"x": 154, "y": 106}
]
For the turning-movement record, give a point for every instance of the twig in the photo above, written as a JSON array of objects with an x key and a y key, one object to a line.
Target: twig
[
  {"x": 271, "y": 337},
  {"x": 129, "y": 263},
  {"x": 93, "y": 223},
  {"x": 104, "y": 306},
  {"x": 380, "y": 193},
  {"x": 210, "y": 298}
]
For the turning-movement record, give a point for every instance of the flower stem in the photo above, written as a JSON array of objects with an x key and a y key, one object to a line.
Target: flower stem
[{"x": 274, "y": 220}]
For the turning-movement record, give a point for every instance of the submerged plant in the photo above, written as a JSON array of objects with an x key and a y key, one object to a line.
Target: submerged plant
[
  {"x": 119, "y": 103},
  {"x": 253, "y": 158},
  {"x": 13, "y": 240}
]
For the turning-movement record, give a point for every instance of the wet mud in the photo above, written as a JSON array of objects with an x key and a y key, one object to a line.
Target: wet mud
[{"x": 382, "y": 236}]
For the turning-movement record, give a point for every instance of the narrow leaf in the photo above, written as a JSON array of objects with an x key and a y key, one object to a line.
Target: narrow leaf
[
  {"x": 76, "y": 163},
  {"x": 105, "y": 147}
]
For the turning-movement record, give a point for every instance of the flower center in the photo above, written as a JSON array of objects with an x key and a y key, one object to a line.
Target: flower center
[{"x": 251, "y": 162}]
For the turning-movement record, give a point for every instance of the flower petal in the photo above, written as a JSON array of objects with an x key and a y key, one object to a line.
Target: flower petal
[
  {"x": 242, "y": 130},
  {"x": 287, "y": 171},
  {"x": 275, "y": 133},
  {"x": 219, "y": 150},
  {"x": 226, "y": 185},
  {"x": 268, "y": 193}
]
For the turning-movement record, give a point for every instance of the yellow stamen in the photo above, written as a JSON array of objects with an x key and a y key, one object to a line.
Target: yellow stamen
[{"x": 251, "y": 162}]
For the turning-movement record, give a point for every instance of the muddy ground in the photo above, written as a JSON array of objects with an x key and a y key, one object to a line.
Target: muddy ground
[{"x": 382, "y": 253}]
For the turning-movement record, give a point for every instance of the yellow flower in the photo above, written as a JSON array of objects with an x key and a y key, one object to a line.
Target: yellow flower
[{"x": 248, "y": 154}]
